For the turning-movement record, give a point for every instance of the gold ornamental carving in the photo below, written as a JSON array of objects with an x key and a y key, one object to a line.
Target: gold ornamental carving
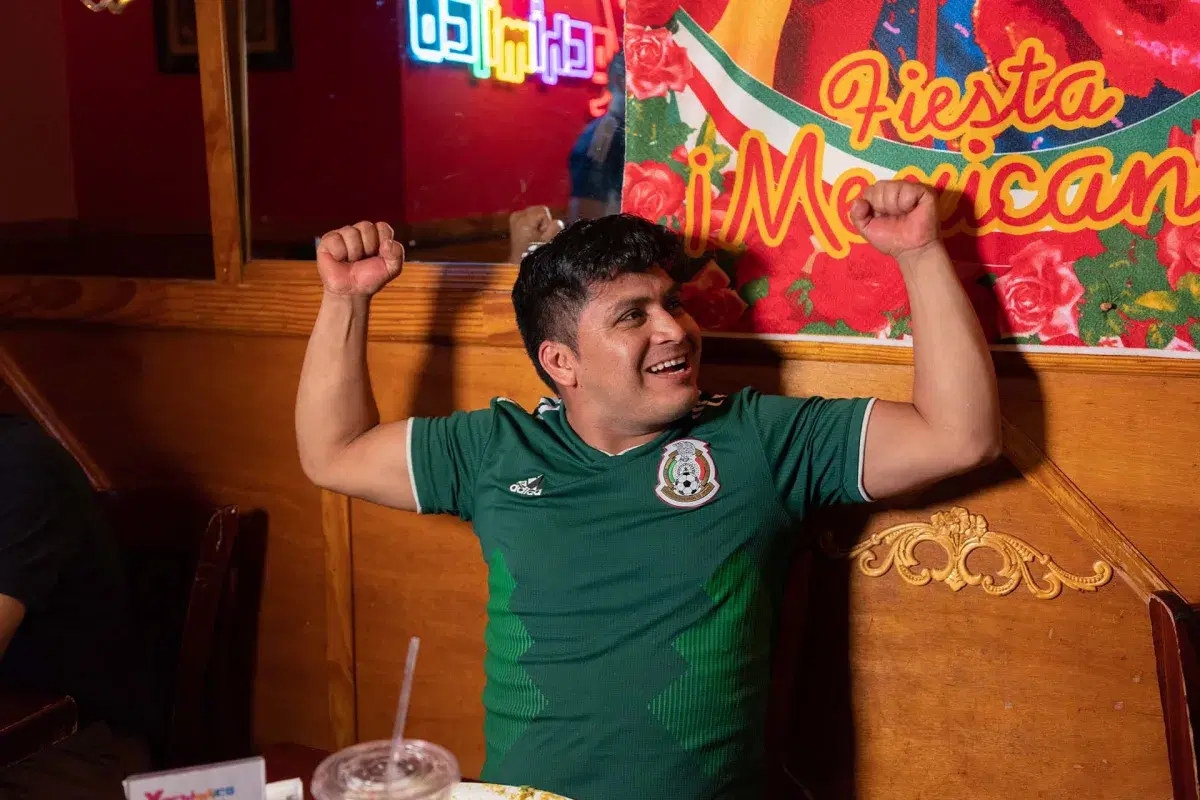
[{"x": 960, "y": 533}]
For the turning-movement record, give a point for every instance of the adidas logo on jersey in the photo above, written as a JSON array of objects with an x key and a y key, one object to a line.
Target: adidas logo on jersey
[{"x": 530, "y": 487}]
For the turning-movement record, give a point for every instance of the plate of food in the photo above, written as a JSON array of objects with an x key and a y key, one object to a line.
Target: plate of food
[{"x": 491, "y": 791}]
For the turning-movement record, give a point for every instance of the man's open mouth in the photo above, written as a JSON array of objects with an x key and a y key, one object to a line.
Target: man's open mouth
[{"x": 670, "y": 366}]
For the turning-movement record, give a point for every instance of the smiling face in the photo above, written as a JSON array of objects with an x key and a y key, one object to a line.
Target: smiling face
[{"x": 636, "y": 360}]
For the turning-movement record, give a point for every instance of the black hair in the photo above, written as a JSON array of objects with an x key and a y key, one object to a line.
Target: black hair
[{"x": 553, "y": 283}]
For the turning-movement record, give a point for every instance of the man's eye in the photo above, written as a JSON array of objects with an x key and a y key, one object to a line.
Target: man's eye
[
  {"x": 673, "y": 303},
  {"x": 632, "y": 315}
]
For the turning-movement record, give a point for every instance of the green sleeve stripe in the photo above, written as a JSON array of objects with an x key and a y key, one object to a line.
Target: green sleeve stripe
[
  {"x": 411, "y": 458},
  {"x": 856, "y": 451}
]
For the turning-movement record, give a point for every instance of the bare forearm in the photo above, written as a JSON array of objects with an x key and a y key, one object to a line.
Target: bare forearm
[
  {"x": 954, "y": 385},
  {"x": 334, "y": 405}
]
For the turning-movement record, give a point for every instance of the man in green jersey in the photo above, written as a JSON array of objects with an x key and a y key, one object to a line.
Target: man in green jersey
[{"x": 633, "y": 526}]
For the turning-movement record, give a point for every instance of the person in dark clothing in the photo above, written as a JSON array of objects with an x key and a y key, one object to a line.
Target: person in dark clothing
[
  {"x": 597, "y": 160},
  {"x": 65, "y": 623}
]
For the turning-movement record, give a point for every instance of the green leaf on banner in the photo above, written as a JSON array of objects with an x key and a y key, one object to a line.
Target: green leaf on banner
[
  {"x": 1189, "y": 294},
  {"x": 1033, "y": 338},
  {"x": 680, "y": 169},
  {"x": 840, "y": 328},
  {"x": 1157, "y": 305},
  {"x": 988, "y": 279},
  {"x": 1094, "y": 322},
  {"x": 655, "y": 130},
  {"x": 901, "y": 325},
  {"x": 721, "y": 153},
  {"x": 708, "y": 132},
  {"x": 1146, "y": 273},
  {"x": 1159, "y": 335},
  {"x": 1155, "y": 224},
  {"x": 800, "y": 288},
  {"x": 754, "y": 291},
  {"x": 676, "y": 130},
  {"x": 1194, "y": 330},
  {"x": 1116, "y": 240}
]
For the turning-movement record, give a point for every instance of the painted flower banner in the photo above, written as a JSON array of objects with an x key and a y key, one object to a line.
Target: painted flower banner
[{"x": 1061, "y": 134}]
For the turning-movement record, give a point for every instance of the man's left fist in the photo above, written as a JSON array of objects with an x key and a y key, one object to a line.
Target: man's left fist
[{"x": 897, "y": 217}]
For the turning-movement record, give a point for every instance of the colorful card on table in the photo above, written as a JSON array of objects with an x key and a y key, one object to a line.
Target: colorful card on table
[{"x": 244, "y": 779}]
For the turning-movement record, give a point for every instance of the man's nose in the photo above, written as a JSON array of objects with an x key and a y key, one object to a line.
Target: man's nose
[{"x": 667, "y": 329}]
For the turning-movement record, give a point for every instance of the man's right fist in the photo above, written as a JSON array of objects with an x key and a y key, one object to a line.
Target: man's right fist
[
  {"x": 359, "y": 260},
  {"x": 529, "y": 226}
]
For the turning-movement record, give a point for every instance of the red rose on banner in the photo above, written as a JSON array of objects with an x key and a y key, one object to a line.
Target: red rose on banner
[
  {"x": 651, "y": 13},
  {"x": 1038, "y": 294},
  {"x": 653, "y": 191},
  {"x": 862, "y": 289},
  {"x": 655, "y": 63},
  {"x": 710, "y": 301},
  {"x": 1179, "y": 245},
  {"x": 776, "y": 313},
  {"x": 1179, "y": 250}
]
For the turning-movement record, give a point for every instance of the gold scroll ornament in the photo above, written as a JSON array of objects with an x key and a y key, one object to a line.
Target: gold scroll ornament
[{"x": 960, "y": 533}]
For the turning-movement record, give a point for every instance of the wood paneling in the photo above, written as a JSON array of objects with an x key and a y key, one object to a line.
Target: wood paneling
[
  {"x": 33, "y": 403},
  {"x": 215, "y": 93},
  {"x": 459, "y": 303},
  {"x": 212, "y": 413},
  {"x": 1083, "y": 515},
  {"x": 911, "y": 688},
  {"x": 339, "y": 616},
  {"x": 1127, "y": 442},
  {"x": 925, "y": 692}
]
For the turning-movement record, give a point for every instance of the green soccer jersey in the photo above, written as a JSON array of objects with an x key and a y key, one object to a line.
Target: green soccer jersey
[{"x": 632, "y": 597}]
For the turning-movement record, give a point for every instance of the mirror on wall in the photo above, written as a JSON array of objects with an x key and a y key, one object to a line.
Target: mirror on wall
[
  {"x": 439, "y": 116},
  {"x": 102, "y": 152}
]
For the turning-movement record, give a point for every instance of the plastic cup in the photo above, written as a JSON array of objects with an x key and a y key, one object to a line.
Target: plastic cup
[{"x": 425, "y": 771}]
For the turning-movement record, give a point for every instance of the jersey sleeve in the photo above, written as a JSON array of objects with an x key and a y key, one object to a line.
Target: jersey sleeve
[
  {"x": 444, "y": 458},
  {"x": 814, "y": 447}
]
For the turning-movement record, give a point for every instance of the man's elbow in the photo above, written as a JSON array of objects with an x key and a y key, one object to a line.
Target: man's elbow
[
  {"x": 979, "y": 450},
  {"x": 319, "y": 470}
]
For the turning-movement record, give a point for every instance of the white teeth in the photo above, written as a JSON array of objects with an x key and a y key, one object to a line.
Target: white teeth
[{"x": 659, "y": 367}]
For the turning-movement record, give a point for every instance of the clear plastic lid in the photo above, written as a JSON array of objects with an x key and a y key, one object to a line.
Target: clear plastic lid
[{"x": 424, "y": 770}]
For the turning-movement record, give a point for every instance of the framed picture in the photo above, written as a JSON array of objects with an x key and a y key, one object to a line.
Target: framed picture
[{"x": 268, "y": 34}]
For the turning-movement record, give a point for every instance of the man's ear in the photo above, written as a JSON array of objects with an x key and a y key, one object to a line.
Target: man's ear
[{"x": 560, "y": 363}]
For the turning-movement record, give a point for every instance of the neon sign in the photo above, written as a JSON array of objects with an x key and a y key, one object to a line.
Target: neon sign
[{"x": 476, "y": 33}]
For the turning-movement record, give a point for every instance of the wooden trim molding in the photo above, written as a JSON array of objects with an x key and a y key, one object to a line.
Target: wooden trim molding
[
  {"x": 1083, "y": 515},
  {"x": 339, "y": 618},
  {"x": 216, "y": 94},
  {"x": 468, "y": 304},
  {"x": 960, "y": 533},
  {"x": 41, "y": 410}
]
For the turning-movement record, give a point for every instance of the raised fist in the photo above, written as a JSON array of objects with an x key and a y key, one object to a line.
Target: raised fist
[
  {"x": 360, "y": 259},
  {"x": 897, "y": 217}
]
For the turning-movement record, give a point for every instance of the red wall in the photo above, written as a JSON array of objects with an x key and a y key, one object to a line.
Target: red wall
[
  {"x": 355, "y": 129},
  {"x": 137, "y": 135},
  {"x": 36, "y": 182},
  {"x": 487, "y": 146}
]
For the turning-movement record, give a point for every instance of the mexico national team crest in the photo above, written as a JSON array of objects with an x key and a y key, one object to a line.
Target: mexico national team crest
[{"x": 687, "y": 474}]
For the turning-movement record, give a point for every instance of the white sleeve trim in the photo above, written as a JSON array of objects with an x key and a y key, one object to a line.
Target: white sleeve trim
[
  {"x": 412, "y": 475},
  {"x": 862, "y": 451}
]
